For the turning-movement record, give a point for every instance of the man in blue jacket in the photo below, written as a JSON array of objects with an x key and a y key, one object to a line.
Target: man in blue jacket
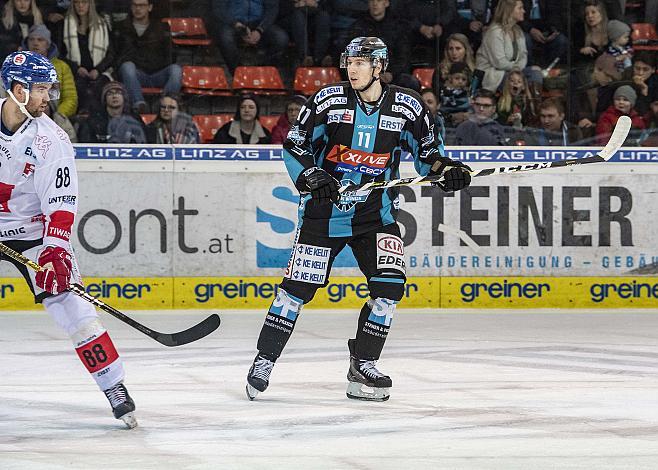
[{"x": 250, "y": 22}]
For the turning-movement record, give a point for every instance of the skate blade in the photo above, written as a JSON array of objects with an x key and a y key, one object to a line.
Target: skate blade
[
  {"x": 357, "y": 391},
  {"x": 129, "y": 420},
  {"x": 251, "y": 392}
]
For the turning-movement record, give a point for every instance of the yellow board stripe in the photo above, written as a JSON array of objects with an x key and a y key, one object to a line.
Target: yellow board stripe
[{"x": 351, "y": 292}]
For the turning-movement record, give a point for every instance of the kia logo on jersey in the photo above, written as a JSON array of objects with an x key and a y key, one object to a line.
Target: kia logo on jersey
[
  {"x": 349, "y": 160},
  {"x": 390, "y": 244}
]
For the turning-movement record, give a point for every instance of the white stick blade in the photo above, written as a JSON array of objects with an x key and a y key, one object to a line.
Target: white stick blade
[{"x": 619, "y": 134}]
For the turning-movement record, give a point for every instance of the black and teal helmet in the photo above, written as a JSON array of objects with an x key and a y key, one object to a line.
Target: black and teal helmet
[{"x": 370, "y": 48}]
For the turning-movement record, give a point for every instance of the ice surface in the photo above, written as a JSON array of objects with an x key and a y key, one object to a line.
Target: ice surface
[{"x": 470, "y": 390}]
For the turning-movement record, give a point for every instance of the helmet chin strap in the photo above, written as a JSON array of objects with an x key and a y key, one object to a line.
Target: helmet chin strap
[
  {"x": 21, "y": 106},
  {"x": 373, "y": 79}
]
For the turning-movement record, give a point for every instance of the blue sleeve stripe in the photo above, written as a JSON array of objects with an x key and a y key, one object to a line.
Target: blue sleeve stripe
[
  {"x": 393, "y": 280},
  {"x": 292, "y": 165}
]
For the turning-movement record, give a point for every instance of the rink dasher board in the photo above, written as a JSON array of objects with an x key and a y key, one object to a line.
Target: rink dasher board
[
  {"x": 231, "y": 196},
  {"x": 436, "y": 293}
]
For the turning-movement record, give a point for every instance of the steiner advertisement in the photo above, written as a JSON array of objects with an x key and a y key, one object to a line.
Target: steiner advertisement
[{"x": 197, "y": 222}]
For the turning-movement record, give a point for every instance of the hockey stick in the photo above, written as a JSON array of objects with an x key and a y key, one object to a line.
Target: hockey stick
[
  {"x": 622, "y": 128},
  {"x": 194, "y": 333}
]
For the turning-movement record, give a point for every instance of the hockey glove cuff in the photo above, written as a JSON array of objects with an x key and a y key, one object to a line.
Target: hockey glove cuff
[
  {"x": 323, "y": 186},
  {"x": 456, "y": 175},
  {"x": 56, "y": 270}
]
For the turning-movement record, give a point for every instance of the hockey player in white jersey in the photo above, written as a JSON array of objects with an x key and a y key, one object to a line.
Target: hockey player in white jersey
[{"x": 38, "y": 203}]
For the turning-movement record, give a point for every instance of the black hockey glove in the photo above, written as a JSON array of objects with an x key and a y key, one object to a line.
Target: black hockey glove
[
  {"x": 323, "y": 186},
  {"x": 455, "y": 174}
]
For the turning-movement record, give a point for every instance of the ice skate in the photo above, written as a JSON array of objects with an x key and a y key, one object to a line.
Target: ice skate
[
  {"x": 366, "y": 382},
  {"x": 258, "y": 377},
  {"x": 123, "y": 406}
]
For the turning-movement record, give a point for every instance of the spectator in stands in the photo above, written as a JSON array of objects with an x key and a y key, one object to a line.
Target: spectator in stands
[
  {"x": 17, "y": 18},
  {"x": 113, "y": 123},
  {"x": 503, "y": 46},
  {"x": 39, "y": 41},
  {"x": 305, "y": 17},
  {"x": 251, "y": 23},
  {"x": 645, "y": 79},
  {"x": 592, "y": 36},
  {"x": 343, "y": 15},
  {"x": 244, "y": 128},
  {"x": 596, "y": 31},
  {"x": 53, "y": 13},
  {"x": 481, "y": 127},
  {"x": 623, "y": 105},
  {"x": 458, "y": 49},
  {"x": 553, "y": 129},
  {"x": 379, "y": 22},
  {"x": 454, "y": 94},
  {"x": 430, "y": 100},
  {"x": 282, "y": 126},
  {"x": 650, "y": 136},
  {"x": 172, "y": 126},
  {"x": 545, "y": 25},
  {"x": 89, "y": 51},
  {"x": 517, "y": 104},
  {"x": 617, "y": 57},
  {"x": 431, "y": 21},
  {"x": 144, "y": 54}
]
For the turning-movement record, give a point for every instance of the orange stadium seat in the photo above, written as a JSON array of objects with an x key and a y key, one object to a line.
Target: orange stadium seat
[
  {"x": 199, "y": 80},
  {"x": 148, "y": 118},
  {"x": 268, "y": 121},
  {"x": 309, "y": 79},
  {"x": 424, "y": 76},
  {"x": 152, "y": 91},
  {"x": 259, "y": 80},
  {"x": 188, "y": 31},
  {"x": 208, "y": 125},
  {"x": 644, "y": 37}
]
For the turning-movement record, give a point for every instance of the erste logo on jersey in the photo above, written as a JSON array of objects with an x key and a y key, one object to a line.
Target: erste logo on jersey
[
  {"x": 341, "y": 115},
  {"x": 391, "y": 123},
  {"x": 349, "y": 160}
]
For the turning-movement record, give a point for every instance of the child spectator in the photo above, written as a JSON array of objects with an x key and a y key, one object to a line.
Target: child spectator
[
  {"x": 617, "y": 57},
  {"x": 454, "y": 94},
  {"x": 516, "y": 105},
  {"x": 644, "y": 79},
  {"x": 623, "y": 102}
]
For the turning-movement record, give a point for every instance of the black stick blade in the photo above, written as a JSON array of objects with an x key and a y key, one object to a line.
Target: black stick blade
[{"x": 190, "y": 335}]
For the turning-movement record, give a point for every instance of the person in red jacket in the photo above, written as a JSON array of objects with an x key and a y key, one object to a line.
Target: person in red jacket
[
  {"x": 622, "y": 105},
  {"x": 282, "y": 126}
]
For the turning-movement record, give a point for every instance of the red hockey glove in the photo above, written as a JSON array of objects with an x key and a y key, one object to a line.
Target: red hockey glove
[{"x": 56, "y": 273}]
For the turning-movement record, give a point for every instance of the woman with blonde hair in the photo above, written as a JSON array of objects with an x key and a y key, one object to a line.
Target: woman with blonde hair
[
  {"x": 503, "y": 45},
  {"x": 516, "y": 105},
  {"x": 458, "y": 49},
  {"x": 17, "y": 18},
  {"x": 596, "y": 29},
  {"x": 86, "y": 39}
]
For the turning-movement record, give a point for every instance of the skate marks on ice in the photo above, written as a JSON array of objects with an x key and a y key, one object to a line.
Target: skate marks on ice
[{"x": 464, "y": 396}]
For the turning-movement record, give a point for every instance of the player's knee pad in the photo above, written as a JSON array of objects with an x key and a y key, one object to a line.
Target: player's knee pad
[
  {"x": 286, "y": 305},
  {"x": 69, "y": 311},
  {"x": 98, "y": 354},
  {"x": 387, "y": 287},
  {"x": 381, "y": 310},
  {"x": 301, "y": 290}
]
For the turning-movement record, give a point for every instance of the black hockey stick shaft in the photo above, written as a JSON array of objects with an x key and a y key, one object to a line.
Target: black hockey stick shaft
[
  {"x": 198, "y": 331},
  {"x": 622, "y": 128}
]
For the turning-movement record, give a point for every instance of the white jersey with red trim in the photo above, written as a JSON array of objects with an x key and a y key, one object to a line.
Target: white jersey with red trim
[{"x": 38, "y": 183}]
